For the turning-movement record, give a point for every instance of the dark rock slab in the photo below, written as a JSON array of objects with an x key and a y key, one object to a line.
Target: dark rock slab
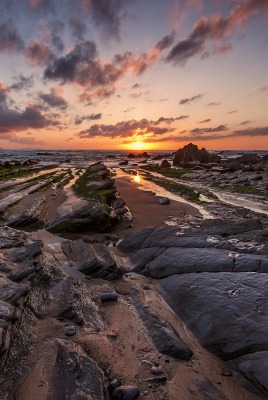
[
  {"x": 252, "y": 371},
  {"x": 30, "y": 217},
  {"x": 11, "y": 238},
  {"x": 165, "y": 339},
  {"x": 94, "y": 260},
  {"x": 228, "y": 312},
  {"x": 75, "y": 375},
  {"x": 183, "y": 261},
  {"x": 135, "y": 241}
]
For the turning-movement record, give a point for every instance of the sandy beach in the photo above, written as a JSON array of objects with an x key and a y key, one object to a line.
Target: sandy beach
[{"x": 144, "y": 207}]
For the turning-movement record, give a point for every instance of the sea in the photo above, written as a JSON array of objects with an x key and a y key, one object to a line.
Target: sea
[{"x": 82, "y": 158}]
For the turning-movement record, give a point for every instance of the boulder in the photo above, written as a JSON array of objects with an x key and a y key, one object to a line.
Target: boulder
[
  {"x": 248, "y": 159},
  {"x": 233, "y": 307},
  {"x": 190, "y": 153},
  {"x": 165, "y": 164},
  {"x": 162, "y": 200}
]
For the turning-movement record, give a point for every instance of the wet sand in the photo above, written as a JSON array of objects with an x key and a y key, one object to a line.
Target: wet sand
[{"x": 146, "y": 211}]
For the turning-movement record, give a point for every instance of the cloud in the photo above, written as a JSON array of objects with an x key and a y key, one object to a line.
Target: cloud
[
  {"x": 82, "y": 66},
  {"x": 259, "y": 131},
  {"x": 191, "y": 99},
  {"x": 38, "y": 53},
  {"x": 78, "y": 65},
  {"x": 215, "y": 30},
  {"x": 139, "y": 94},
  {"x": 137, "y": 65},
  {"x": 56, "y": 28},
  {"x": 213, "y": 104},
  {"x": 125, "y": 129},
  {"x": 43, "y": 5},
  {"x": 107, "y": 15},
  {"x": 232, "y": 112},
  {"x": 78, "y": 27},
  {"x": 264, "y": 89},
  {"x": 14, "y": 120},
  {"x": 53, "y": 99},
  {"x": 10, "y": 39},
  {"x": 170, "y": 120},
  {"x": 219, "y": 128},
  {"x": 23, "y": 140},
  {"x": 204, "y": 121},
  {"x": 129, "y": 109},
  {"x": 91, "y": 117},
  {"x": 22, "y": 82},
  {"x": 136, "y": 86},
  {"x": 246, "y": 122}
]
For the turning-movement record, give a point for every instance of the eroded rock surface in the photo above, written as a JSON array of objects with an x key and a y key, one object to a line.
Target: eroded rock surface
[{"x": 214, "y": 276}]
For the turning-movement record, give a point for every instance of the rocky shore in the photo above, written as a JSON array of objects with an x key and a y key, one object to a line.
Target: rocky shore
[{"x": 176, "y": 310}]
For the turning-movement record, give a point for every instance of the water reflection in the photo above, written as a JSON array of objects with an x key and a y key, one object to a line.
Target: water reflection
[{"x": 137, "y": 178}]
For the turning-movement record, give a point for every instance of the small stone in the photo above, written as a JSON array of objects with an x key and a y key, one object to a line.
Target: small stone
[
  {"x": 126, "y": 393},
  {"x": 157, "y": 379},
  {"x": 109, "y": 296},
  {"x": 113, "y": 385},
  {"x": 70, "y": 331},
  {"x": 111, "y": 335},
  {"x": 224, "y": 372},
  {"x": 156, "y": 371},
  {"x": 163, "y": 200}
]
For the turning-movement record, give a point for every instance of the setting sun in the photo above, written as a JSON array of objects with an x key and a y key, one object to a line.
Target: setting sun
[{"x": 137, "y": 146}]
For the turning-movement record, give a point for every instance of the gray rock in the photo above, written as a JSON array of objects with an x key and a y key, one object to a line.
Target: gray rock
[
  {"x": 165, "y": 164},
  {"x": 165, "y": 339},
  {"x": 252, "y": 371},
  {"x": 126, "y": 393},
  {"x": 70, "y": 330},
  {"x": 156, "y": 371},
  {"x": 74, "y": 372},
  {"x": 180, "y": 261},
  {"x": 105, "y": 297},
  {"x": 162, "y": 200},
  {"x": 233, "y": 307}
]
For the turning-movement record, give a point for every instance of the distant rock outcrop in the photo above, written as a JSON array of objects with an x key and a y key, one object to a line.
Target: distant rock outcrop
[
  {"x": 165, "y": 164},
  {"x": 191, "y": 153}
]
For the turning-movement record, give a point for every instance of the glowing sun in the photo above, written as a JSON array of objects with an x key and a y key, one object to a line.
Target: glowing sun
[{"x": 137, "y": 145}]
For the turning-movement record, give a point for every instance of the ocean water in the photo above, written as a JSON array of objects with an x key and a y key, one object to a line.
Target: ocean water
[
  {"x": 81, "y": 158},
  {"x": 77, "y": 158}
]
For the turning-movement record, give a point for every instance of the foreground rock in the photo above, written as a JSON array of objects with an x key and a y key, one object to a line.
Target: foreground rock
[
  {"x": 214, "y": 276},
  {"x": 71, "y": 319},
  {"x": 99, "y": 209}
]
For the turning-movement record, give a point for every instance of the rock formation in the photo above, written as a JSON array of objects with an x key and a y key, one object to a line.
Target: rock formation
[{"x": 191, "y": 154}]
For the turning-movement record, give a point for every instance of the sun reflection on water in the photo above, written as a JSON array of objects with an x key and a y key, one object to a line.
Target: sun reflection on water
[{"x": 137, "y": 178}]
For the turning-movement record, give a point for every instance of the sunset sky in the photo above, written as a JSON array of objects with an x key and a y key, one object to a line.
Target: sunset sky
[{"x": 126, "y": 74}]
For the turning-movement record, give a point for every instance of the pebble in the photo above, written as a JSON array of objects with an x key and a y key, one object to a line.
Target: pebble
[
  {"x": 113, "y": 385},
  {"x": 70, "y": 330},
  {"x": 109, "y": 296},
  {"x": 156, "y": 371},
  {"x": 126, "y": 393},
  {"x": 224, "y": 372},
  {"x": 111, "y": 335},
  {"x": 157, "y": 379}
]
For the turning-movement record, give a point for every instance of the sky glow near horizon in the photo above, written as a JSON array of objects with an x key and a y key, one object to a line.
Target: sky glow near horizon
[{"x": 133, "y": 74}]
